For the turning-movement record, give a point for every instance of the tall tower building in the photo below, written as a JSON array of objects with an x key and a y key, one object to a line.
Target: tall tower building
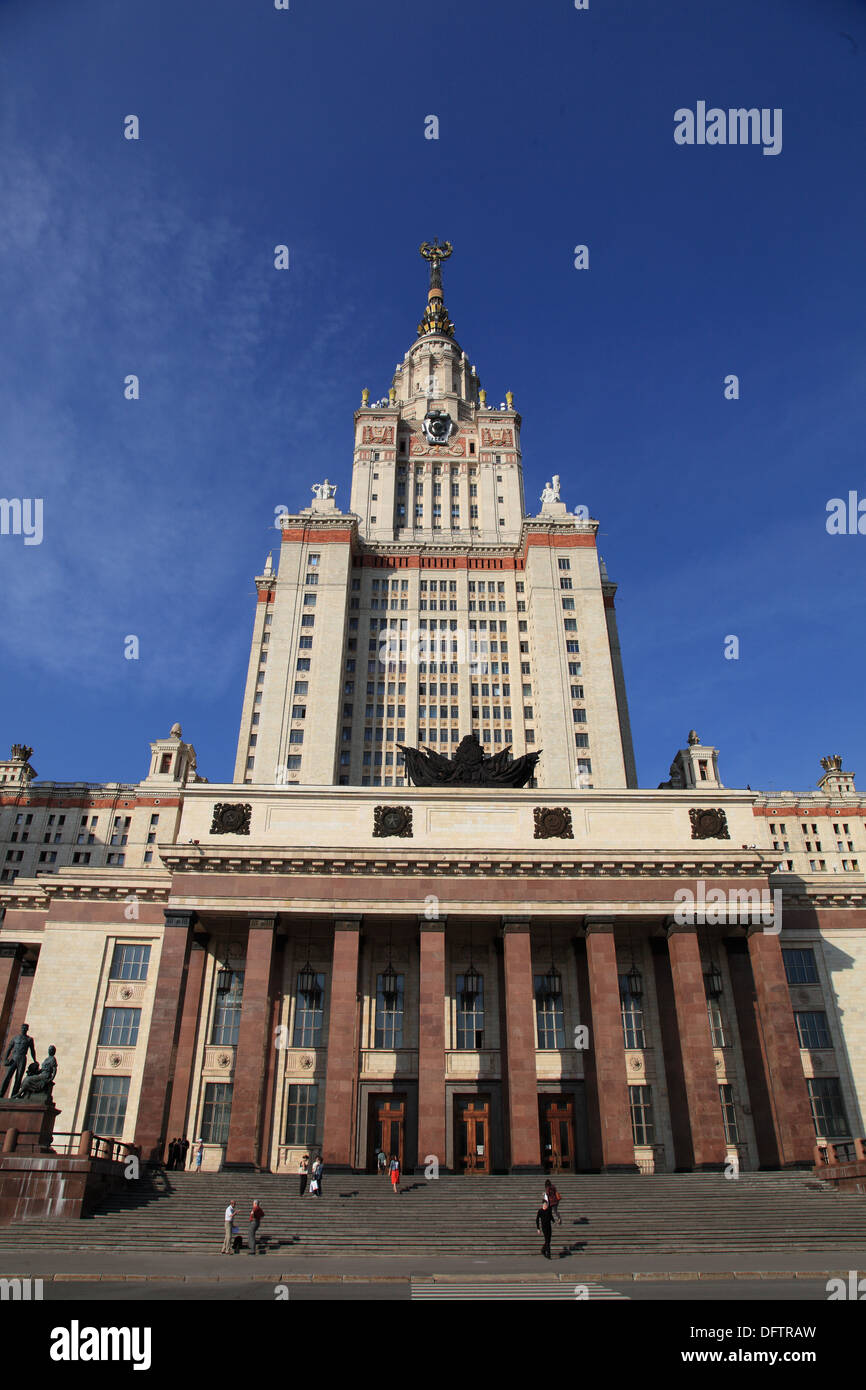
[{"x": 436, "y": 605}]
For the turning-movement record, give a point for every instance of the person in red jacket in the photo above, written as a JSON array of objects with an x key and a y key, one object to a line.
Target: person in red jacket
[
  {"x": 553, "y": 1199},
  {"x": 255, "y": 1221}
]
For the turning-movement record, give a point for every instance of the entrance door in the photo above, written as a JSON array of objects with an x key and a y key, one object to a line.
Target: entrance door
[
  {"x": 385, "y": 1128},
  {"x": 472, "y": 1134},
  {"x": 556, "y": 1115}
]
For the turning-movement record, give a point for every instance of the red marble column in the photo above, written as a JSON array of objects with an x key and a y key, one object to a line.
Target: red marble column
[
  {"x": 342, "y": 1052},
  {"x": 156, "y": 1086},
  {"x": 705, "y": 1119},
  {"x": 521, "y": 1086},
  {"x": 786, "y": 1084},
  {"x": 431, "y": 1043},
  {"x": 22, "y": 1001},
  {"x": 190, "y": 1022},
  {"x": 11, "y": 956},
  {"x": 606, "y": 1042},
  {"x": 745, "y": 1004},
  {"x": 254, "y": 1046}
]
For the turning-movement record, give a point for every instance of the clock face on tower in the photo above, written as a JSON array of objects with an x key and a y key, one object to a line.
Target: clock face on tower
[{"x": 438, "y": 426}]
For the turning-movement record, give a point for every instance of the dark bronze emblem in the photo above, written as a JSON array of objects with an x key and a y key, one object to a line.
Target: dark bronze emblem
[
  {"x": 553, "y": 823},
  {"x": 392, "y": 820},
  {"x": 468, "y": 767},
  {"x": 231, "y": 818},
  {"x": 709, "y": 824}
]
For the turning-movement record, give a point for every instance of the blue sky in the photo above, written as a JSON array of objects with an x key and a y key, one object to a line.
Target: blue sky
[{"x": 306, "y": 127}]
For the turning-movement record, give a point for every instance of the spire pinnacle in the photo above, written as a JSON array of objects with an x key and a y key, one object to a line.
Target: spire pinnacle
[{"x": 436, "y": 318}]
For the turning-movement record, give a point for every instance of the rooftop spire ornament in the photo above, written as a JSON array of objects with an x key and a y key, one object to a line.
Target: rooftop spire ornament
[{"x": 436, "y": 318}]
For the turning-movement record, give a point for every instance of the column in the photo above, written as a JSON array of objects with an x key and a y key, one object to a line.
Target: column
[
  {"x": 607, "y": 1050},
  {"x": 187, "y": 1038},
  {"x": 431, "y": 1043},
  {"x": 743, "y": 988},
  {"x": 342, "y": 1052},
  {"x": 786, "y": 1084},
  {"x": 253, "y": 1049},
  {"x": 11, "y": 956},
  {"x": 153, "y": 1104},
  {"x": 706, "y": 1123},
  {"x": 519, "y": 1070}
]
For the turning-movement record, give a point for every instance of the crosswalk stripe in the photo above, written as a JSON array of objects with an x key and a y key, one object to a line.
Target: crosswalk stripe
[{"x": 467, "y": 1289}]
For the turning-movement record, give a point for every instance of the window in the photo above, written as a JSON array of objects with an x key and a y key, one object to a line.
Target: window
[
  {"x": 296, "y": 736},
  {"x": 120, "y": 1027},
  {"x": 729, "y": 1114},
  {"x": 565, "y": 564},
  {"x": 299, "y": 711},
  {"x": 301, "y": 1115},
  {"x": 800, "y": 967},
  {"x": 812, "y": 1029},
  {"x": 717, "y": 1023},
  {"x": 313, "y": 559},
  {"x": 106, "y": 1110},
  {"x": 309, "y": 1013},
  {"x": 129, "y": 962},
  {"x": 828, "y": 1110},
  {"x": 632, "y": 1017},
  {"x": 301, "y": 687},
  {"x": 216, "y": 1112},
  {"x": 549, "y": 1016},
  {"x": 389, "y": 1015},
  {"x": 641, "y": 1102},
  {"x": 227, "y": 1014},
  {"x": 470, "y": 1014}
]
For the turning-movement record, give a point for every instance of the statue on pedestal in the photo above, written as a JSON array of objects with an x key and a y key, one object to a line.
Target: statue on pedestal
[
  {"x": 551, "y": 491},
  {"x": 39, "y": 1081},
  {"x": 16, "y": 1059}
]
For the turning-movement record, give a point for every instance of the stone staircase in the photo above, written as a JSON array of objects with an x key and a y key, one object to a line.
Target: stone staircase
[{"x": 602, "y": 1215}]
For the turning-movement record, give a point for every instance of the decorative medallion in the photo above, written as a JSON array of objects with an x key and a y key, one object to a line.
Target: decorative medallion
[
  {"x": 307, "y": 1062},
  {"x": 115, "y": 1060},
  {"x": 636, "y": 1063},
  {"x": 392, "y": 820},
  {"x": 224, "y": 1059},
  {"x": 709, "y": 823},
  {"x": 126, "y": 992},
  {"x": 231, "y": 818},
  {"x": 553, "y": 823},
  {"x": 438, "y": 426}
]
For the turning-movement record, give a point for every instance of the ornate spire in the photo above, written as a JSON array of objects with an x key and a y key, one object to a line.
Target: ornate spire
[{"x": 436, "y": 318}]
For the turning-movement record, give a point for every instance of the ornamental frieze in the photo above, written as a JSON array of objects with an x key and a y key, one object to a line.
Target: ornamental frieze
[
  {"x": 502, "y": 437},
  {"x": 231, "y": 818},
  {"x": 709, "y": 823},
  {"x": 553, "y": 823},
  {"x": 392, "y": 820},
  {"x": 378, "y": 434}
]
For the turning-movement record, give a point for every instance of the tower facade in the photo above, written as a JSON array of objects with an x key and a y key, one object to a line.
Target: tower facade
[{"x": 436, "y": 605}]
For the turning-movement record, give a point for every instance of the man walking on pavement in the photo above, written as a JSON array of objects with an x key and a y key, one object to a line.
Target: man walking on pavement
[{"x": 229, "y": 1220}]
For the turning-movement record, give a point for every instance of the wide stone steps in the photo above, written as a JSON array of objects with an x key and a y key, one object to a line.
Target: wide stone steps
[{"x": 601, "y": 1215}]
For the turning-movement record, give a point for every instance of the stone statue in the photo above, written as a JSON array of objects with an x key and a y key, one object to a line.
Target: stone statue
[
  {"x": 468, "y": 767},
  {"x": 551, "y": 491},
  {"x": 39, "y": 1080},
  {"x": 324, "y": 491},
  {"x": 16, "y": 1059}
]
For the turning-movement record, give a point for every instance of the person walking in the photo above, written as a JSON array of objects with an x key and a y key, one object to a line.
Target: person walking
[
  {"x": 382, "y": 1162},
  {"x": 255, "y": 1222},
  {"x": 316, "y": 1176},
  {"x": 302, "y": 1173},
  {"x": 553, "y": 1199},
  {"x": 544, "y": 1223},
  {"x": 394, "y": 1170},
  {"x": 199, "y": 1155},
  {"x": 229, "y": 1222}
]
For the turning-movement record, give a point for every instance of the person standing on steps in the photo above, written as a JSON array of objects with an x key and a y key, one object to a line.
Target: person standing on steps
[
  {"x": 553, "y": 1198},
  {"x": 184, "y": 1150},
  {"x": 382, "y": 1162},
  {"x": 255, "y": 1222},
  {"x": 318, "y": 1170},
  {"x": 394, "y": 1170},
  {"x": 199, "y": 1155},
  {"x": 544, "y": 1223},
  {"x": 229, "y": 1222},
  {"x": 302, "y": 1173}
]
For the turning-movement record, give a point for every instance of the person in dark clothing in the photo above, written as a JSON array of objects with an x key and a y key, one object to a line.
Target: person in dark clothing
[
  {"x": 184, "y": 1150},
  {"x": 255, "y": 1222},
  {"x": 303, "y": 1172},
  {"x": 172, "y": 1154},
  {"x": 553, "y": 1198},
  {"x": 544, "y": 1223}
]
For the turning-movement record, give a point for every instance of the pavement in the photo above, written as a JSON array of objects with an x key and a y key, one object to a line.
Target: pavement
[{"x": 81, "y": 1266}]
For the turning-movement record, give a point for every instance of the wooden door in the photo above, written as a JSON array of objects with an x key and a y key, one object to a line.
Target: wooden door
[
  {"x": 386, "y": 1128},
  {"x": 472, "y": 1134},
  {"x": 557, "y": 1133}
]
